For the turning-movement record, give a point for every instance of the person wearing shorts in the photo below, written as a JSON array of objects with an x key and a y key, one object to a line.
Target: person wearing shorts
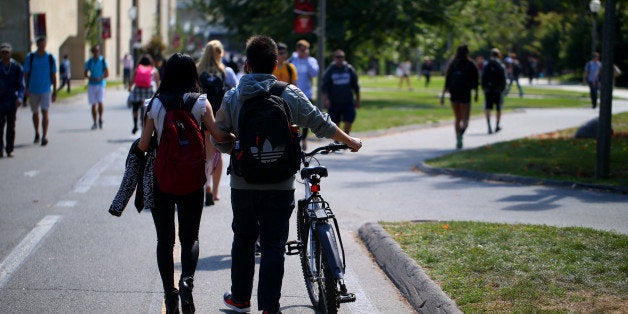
[
  {"x": 39, "y": 73},
  {"x": 461, "y": 77},
  {"x": 340, "y": 83},
  {"x": 96, "y": 71}
]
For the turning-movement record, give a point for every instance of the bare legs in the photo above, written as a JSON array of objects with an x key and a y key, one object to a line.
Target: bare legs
[
  {"x": 97, "y": 111},
  {"x": 461, "y": 122},
  {"x": 44, "y": 126}
]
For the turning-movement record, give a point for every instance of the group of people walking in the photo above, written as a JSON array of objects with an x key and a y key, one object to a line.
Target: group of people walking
[{"x": 463, "y": 76}]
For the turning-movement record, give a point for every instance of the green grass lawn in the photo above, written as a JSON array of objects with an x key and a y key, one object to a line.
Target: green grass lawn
[
  {"x": 501, "y": 268},
  {"x": 384, "y": 105},
  {"x": 551, "y": 156}
]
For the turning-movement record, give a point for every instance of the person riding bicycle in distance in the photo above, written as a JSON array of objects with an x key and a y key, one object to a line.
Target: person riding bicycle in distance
[{"x": 265, "y": 208}]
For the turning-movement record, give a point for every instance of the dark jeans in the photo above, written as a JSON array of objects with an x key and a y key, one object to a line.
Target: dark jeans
[
  {"x": 593, "y": 87},
  {"x": 266, "y": 213},
  {"x": 7, "y": 116},
  {"x": 189, "y": 210},
  {"x": 64, "y": 81}
]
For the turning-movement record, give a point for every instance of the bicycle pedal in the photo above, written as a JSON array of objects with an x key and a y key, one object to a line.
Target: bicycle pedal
[
  {"x": 293, "y": 247},
  {"x": 349, "y": 297}
]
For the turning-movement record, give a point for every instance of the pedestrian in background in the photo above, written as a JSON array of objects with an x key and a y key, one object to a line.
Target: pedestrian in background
[
  {"x": 96, "y": 71},
  {"x": 426, "y": 70},
  {"x": 179, "y": 83},
  {"x": 340, "y": 83},
  {"x": 591, "y": 76},
  {"x": 265, "y": 209},
  {"x": 11, "y": 96},
  {"x": 39, "y": 73},
  {"x": 215, "y": 79},
  {"x": 307, "y": 70},
  {"x": 127, "y": 68},
  {"x": 404, "y": 70},
  {"x": 493, "y": 85},
  {"x": 461, "y": 77},
  {"x": 145, "y": 77},
  {"x": 285, "y": 71},
  {"x": 514, "y": 71},
  {"x": 64, "y": 73}
]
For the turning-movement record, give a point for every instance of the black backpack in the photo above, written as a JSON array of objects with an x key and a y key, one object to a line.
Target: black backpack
[
  {"x": 267, "y": 149},
  {"x": 213, "y": 84},
  {"x": 458, "y": 79},
  {"x": 493, "y": 77}
]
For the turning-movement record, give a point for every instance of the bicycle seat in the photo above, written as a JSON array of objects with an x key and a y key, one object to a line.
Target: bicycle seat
[{"x": 318, "y": 170}]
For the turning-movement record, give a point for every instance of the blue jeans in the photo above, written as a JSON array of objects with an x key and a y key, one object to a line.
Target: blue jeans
[
  {"x": 593, "y": 87},
  {"x": 267, "y": 214}
]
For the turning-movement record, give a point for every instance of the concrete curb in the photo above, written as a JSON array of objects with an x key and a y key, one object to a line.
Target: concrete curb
[
  {"x": 422, "y": 293},
  {"x": 483, "y": 176}
]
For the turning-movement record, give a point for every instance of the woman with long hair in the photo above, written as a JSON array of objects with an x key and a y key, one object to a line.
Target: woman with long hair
[
  {"x": 180, "y": 80},
  {"x": 461, "y": 77},
  {"x": 211, "y": 68}
]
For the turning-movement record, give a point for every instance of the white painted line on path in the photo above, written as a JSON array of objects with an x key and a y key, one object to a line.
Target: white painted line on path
[
  {"x": 362, "y": 302},
  {"x": 31, "y": 173},
  {"x": 86, "y": 182},
  {"x": 25, "y": 248},
  {"x": 66, "y": 204}
]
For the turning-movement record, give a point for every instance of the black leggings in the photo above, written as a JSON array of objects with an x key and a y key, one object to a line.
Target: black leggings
[{"x": 189, "y": 210}]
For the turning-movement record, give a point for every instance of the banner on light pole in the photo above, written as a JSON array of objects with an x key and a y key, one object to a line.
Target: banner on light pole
[{"x": 304, "y": 16}]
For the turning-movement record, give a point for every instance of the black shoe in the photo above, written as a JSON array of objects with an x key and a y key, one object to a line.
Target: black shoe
[
  {"x": 9, "y": 154},
  {"x": 209, "y": 199},
  {"x": 44, "y": 141},
  {"x": 36, "y": 140},
  {"x": 185, "y": 292},
  {"x": 100, "y": 124},
  {"x": 240, "y": 307},
  {"x": 134, "y": 130},
  {"x": 171, "y": 300},
  {"x": 497, "y": 129}
]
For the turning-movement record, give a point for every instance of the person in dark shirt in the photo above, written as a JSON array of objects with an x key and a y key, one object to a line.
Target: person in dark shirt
[
  {"x": 340, "y": 82},
  {"x": 11, "y": 97}
]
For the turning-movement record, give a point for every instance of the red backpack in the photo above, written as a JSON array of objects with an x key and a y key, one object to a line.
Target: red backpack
[{"x": 180, "y": 160}]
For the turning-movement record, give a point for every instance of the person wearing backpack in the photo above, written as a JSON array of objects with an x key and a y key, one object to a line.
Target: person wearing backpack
[
  {"x": 461, "y": 77},
  {"x": 141, "y": 87},
  {"x": 493, "y": 85},
  {"x": 39, "y": 73},
  {"x": 65, "y": 73},
  {"x": 175, "y": 117},
  {"x": 96, "y": 71},
  {"x": 262, "y": 199},
  {"x": 215, "y": 79}
]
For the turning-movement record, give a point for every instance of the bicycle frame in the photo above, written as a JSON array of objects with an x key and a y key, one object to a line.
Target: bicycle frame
[{"x": 319, "y": 242}]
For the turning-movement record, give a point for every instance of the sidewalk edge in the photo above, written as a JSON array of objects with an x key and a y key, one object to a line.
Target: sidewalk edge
[
  {"x": 508, "y": 178},
  {"x": 424, "y": 295}
]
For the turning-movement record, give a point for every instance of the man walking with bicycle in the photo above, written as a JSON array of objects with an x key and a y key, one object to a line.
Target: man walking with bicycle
[{"x": 264, "y": 208}]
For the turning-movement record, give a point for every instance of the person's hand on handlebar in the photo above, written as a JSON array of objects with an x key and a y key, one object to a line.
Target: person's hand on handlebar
[{"x": 354, "y": 143}]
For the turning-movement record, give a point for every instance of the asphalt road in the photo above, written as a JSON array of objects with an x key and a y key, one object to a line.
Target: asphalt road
[{"x": 60, "y": 251}]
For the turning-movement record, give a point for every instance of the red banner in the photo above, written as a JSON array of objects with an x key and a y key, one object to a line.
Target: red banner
[
  {"x": 39, "y": 24},
  {"x": 106, "y": 28},
  {"x": 304, "y": 19}
]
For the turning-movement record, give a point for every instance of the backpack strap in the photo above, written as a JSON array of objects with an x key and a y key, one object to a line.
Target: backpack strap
[
  {"x": 192, "y": 98},
  {"x": 278, "y": 88}
]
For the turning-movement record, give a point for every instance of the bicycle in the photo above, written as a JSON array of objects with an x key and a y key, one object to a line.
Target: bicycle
[{"x": 318, "y": 243}]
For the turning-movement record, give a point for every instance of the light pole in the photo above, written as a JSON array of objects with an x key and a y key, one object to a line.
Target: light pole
[
  {"x": 133, "y": 16},
  {"x": 594, "y": 6},
  {"x": 99, "y": 21}
]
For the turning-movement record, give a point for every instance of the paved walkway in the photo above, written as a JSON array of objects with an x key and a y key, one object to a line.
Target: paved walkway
[{"x": 385, "y": 190}]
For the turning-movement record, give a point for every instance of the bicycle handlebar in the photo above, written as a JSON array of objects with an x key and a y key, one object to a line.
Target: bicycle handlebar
[{"x": 326, "y": 149}]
